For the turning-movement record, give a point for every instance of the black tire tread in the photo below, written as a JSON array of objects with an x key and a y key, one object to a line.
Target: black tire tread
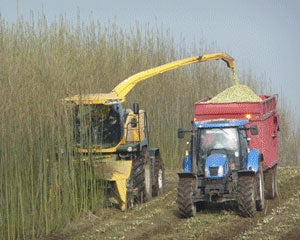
[
  {"x": 247, "y": 196},
  {"x": 186, "y": 206}
]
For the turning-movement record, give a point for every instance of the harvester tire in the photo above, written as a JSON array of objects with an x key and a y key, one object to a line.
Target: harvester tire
[
  {"x": 260, "y": 201},
  {"x": 147, "y": 194},
  {"x": 271, "y": 189},
  {"x": 247, "y": 196},
  {"x": 159, "y": 177},
  {"x": 186, "y": 205},
  {"x": 141, "y": 178}
]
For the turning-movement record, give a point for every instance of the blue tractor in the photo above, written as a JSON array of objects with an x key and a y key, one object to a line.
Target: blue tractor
[{"x": 220, "y": 167}]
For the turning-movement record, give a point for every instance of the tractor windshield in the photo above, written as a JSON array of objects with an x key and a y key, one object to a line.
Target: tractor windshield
[
  {"x": 97, "y": 125},
  {"x": 219, "y": 140}
]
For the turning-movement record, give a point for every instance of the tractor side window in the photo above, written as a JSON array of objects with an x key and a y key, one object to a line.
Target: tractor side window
[{"x": 244, "y": 143}]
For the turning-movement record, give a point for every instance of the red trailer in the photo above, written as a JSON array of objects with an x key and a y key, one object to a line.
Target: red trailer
[
  {"x": 264, "y": 115},
  {"x": 233, "y": 156}
]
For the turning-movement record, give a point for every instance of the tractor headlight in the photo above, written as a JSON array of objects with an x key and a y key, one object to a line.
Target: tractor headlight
[
  {"x": 129, "y": 149},
  {"x": 221, "y": 171}
]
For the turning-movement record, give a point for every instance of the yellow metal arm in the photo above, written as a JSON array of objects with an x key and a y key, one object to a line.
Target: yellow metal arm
[{"x": 125, "y": 86}]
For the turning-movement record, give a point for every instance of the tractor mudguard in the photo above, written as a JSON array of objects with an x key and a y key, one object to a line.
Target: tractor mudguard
[{"x": 253, "y": 160}]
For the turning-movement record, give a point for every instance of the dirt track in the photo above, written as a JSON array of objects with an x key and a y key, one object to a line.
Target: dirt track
[{"x": 159, "y": 218}]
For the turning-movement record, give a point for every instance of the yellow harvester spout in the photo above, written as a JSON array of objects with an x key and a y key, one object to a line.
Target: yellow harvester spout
[{"x": 125, "y": 86}]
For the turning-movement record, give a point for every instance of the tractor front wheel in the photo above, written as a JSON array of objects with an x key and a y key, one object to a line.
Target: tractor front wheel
[
  {"x": 185, "y": 201},
  {"x": 247, "y": 196}
]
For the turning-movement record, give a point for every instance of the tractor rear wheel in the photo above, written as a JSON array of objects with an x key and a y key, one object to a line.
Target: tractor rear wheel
[
  {"x": 247, "y": 196},
  {"x": 159, "y": 176},
  {"x": 185, "y": 201}
]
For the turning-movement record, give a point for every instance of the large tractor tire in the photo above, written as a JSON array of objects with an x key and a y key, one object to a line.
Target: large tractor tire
[
  {"x": 186, "y": 205},
  {"x": 260, "y": 200},
  {"x": 271, "y": 189},
  {"x": 159, "y": 176},
  {"x": 141, "y": 178},
  {"x": 247, "y": 196}
]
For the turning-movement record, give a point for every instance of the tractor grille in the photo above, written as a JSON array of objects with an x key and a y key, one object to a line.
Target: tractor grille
[{"x": 213, "y": 171}]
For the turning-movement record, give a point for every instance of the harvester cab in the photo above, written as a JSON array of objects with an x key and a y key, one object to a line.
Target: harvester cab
[{"x": 115, "y": 140}]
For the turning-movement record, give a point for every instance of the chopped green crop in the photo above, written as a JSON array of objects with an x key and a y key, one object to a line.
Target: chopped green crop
[{"x": 236, "y": 93}]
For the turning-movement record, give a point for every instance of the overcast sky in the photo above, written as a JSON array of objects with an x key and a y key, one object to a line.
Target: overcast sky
[{"x": 263, "y": 36}]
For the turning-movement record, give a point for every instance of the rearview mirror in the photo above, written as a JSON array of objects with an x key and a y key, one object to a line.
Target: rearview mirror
[
  {"x": 254, "y": 130},
  {"x": 180, "y": 133},
  {"x": 136, "y": 108}
]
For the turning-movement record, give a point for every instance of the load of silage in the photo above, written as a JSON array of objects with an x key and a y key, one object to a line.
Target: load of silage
[{"x": 236, "y": 93}]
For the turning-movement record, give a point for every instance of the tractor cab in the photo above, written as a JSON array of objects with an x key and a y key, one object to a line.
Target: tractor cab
[
  {"x": 220, "y": 141},
  {"x": 221, "y": 146}
]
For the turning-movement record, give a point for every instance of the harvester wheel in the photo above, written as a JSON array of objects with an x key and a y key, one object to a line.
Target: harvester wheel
[
  {"x": 186, "y": 205},
  {"x": 271, "y": 189},
  {"x": 247, "y": 196},
  {"x": 159, "y": 176},
  {"x": 147, "y": 194},
  {"x": 260, "y": 201},
  {"x": 141, "y": 178}
]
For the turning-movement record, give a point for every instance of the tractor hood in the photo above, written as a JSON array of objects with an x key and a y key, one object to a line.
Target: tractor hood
[{"x": 216, "y": 166}]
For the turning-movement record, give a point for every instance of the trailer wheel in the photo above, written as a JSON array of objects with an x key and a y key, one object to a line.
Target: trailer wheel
[
  {"x": 260, "y": 201},
  {"x": 271, "y": 189},
  {"x": 186, "y": 205},
  {"x": 159, "y": 176},
  {"x": 247, "y": 196},
  {"x": 141, "y": 178}
]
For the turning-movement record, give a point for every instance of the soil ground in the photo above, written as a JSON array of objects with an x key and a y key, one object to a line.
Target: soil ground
[{"x": 159, "y": 218}]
